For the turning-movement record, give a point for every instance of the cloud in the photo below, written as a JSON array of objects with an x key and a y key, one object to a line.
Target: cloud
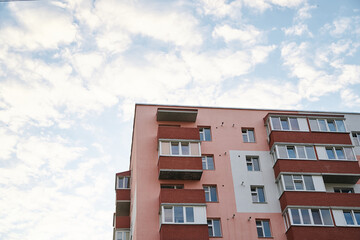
[
  {"x": 220, "y": 9},
  {"x": 303, "y": 12},
  {"x": 38, "y": 27},
  {"x": 262, "y": 5},
  {"x": 349, "y": 98},
  {"x": 7, "y": 143},
  {"x": 247, "y": 34},
  {"x": 298, "y": 30}
]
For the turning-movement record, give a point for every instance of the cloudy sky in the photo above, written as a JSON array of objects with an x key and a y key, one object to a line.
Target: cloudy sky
[{"x": 71, "y": 71}]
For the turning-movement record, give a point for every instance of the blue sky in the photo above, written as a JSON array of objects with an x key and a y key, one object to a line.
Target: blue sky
[{"x": 71, "y": 71}]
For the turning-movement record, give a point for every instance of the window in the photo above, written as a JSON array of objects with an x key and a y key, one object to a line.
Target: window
[
  {"x": 210, "y": 193},
  {"x": 179, "y": 148},
  {"x": 178, "y": 214},
  {"x": 356, "y": 138},
  {"x": 327, "y": 125},
  {"x": 263, "y": 228},
  {"x": 252, "y": 163},
  {"x": 205, "y": 134},
  {"x": 214, "y": 227},
  {"x": 257, "y": 194},
  {"x": 172, "y": 186},
  {"x": 123, "y": 182},
  {"x": 295, "y": 152},
  {"x": 352, "y": 217},
  {"x": 122, "y": 235},
  {"x": 339, "y": 153},
  {"x": 248, "y": 135},
  {"x": 343, "y": 190},
  {"x": 208, "y": 162},
  {"x": 289, "y": 124},
  {"x": 305, "y": 216},
  {"x": 298, "y": 182}
]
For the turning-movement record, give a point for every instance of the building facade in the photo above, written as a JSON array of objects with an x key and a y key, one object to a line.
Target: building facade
[{"x": 201, "y": 173}]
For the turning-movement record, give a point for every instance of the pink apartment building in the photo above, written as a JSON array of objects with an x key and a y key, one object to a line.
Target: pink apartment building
[{"x": 201, "y": 173}]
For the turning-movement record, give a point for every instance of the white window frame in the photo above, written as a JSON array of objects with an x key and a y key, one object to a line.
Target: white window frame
[
  {"x": 123, "y": 183},
  {"x": 297, "y": 180},
  {"x": 356, "y": 223},
  {"x": 203, "y": 135},
  {"x": 356, "y": 138},
  {"x": 180, "y": 150},
  {"x": 207, "y": 189},
  {"x": 250, "y": 160},
  {"x": 288, "y": 121},
  {"x": 256, "y": 193},
  {"x": 123, "y": 234},
  {"x": 205, "y": 160},
  {"x": 343, "y": 150},
  {"x": 173, "y": 215},
  {"x": 212, "y": 227},
  {"x": 310, "y": 216},
  {"x": 247, "y": 134},
  {"x": 296, "y": 151},
  {"x": 327, "y": 124},
  {"x": 263, "y": 228}
]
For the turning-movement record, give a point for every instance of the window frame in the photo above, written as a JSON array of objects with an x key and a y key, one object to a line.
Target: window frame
[
  {"x": 327, "y": 120},
  {"x": 202, "y": 134},
  {"x": 293, "y": 181},
  {"x": 296, "y": 147},
  {"x": 204, "y": 160},
  {"x": 250, "y": 160},
  {"x": 127, "y": 183},
  {"x": 210, "y": 187},
  {"x": 261, "y": 221},
  {"x": 180, "y": 142},
  {"x": 280, "y": 119},
  {"x": 311, "y": 217},
  {"x": 184, "y": 214},
  {"x": 334, "y": 148},
  {"x": 213, "y": 227},
  {"x": 171, "y": 186},
  {"x": 256, "y": 193},
  {"x": 356, "y": 139},
  {"x": 247, "y": 135},
  {"x": 353, "y": 218},
  {"x": 123, "y": 232}
]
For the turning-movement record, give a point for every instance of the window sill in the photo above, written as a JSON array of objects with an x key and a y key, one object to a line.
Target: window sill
[
  {"x": 266, "y": 237},
  {"x": 260, "y": 202}
]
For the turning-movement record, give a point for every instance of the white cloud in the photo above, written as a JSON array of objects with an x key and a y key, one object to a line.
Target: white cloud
[
  {"x": 39, "y": 27},
  {"x": 220, "y": 8},
  {"x": 298, "y": 30},
  {"x": 349, "y": 98},
  {"x": 262, "y": 5},
  {"x": 247, "y": 34},
  {"x": 303, "y": 13},
  {"x": 7, "y": 144},
  {"x": 340, "y": 26}
]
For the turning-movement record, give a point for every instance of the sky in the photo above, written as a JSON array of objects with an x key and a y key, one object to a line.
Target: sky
[{"x": 71, "y": 72}]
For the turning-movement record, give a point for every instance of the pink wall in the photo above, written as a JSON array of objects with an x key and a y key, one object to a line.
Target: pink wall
[{"x": 224, "y": 138}]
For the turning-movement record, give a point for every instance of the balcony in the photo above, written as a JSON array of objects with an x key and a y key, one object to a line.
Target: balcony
[
  {"x": 178, "y": 115},
  {"x": 299, "y": 198},
  {"x": 182, "y": 196},
  {"x": 309, "y": 137},
  {"x": 340, "y": 169},
  {"x": 123, "y": 194},
  {"x": 184, "y": 232},
  {"x": 122, "y": 222},
  {"x": 322, "y": 233},
  {"x": 180, "y": 168},
  {"x": 165, "y": 132}
]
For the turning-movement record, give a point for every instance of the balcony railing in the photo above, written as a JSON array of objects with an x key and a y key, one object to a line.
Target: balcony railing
[
  {"x": 184, "y": 232},
  {"x": 322, "y": 233},
  {"x": 182, "y": 196},
  {"x": 181, "y": 168},
  {"x": 122, "y": 222}
]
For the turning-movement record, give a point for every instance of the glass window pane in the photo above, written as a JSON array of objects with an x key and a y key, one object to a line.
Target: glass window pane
[
  {"x": 340, "y": 125},
  {"x": 204, "y": 163},
  {"x": 207, "y": 134},
  {"x": 121, "y": 183},
  {"x": 266, "y": 225},
  {"x": 348, "y": 218},
  {"x": 275, "y": 123},
  {"x": 284, "y": 124},
  {"x": 179, "y": 214},
  {"x": 301, "y": 152},
  {"x": 261, "y": 195},
  {"x": 322, "y": 125},
  {"x": 249, "y": 166},
  {"x": 175, "y": 148},
  {"x": 340, "y": 153},
  {"x": 310, "y": 152},
  {"x": 185, "y": 149},
  {"x": 127, "y": 182},
  {"x": 168, "y": 214},
  {"x": 256, "y": 164},
  {"x": 288, "y": 182},
  {"x": 210, "y": 228},
  {"x": 357, "y": 217},
  {"x": 189, "y": 214},
  {"x": 309, "y": 184},
  {"x": 291, "y": 152},
  {"x": 316, "y": 216},
  {"x": 217, "y": 230},
  {"x": 349, "y": 153},
  {"x": 295, "y": 216},
  {"x": 213, "y": 194},
  {"x": 207, "y": 194},
  {"x": 314, "y": 125},
  {"x": 260, "y": 232},
  {"x": 331, "y": 126},
  {"x": 299, "y": 185},
  {"x": 305, "y": 216},
  {"x": 325, "y": 213},
  {"x": 210, "y": 161},
  {"x": 294, "y": 124},
  {"x": 245, "y": 136},
  {"x": 330, "y": 153},
  {"x": 251, "y": 136},
  {"x": 282, "y": 152}
]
